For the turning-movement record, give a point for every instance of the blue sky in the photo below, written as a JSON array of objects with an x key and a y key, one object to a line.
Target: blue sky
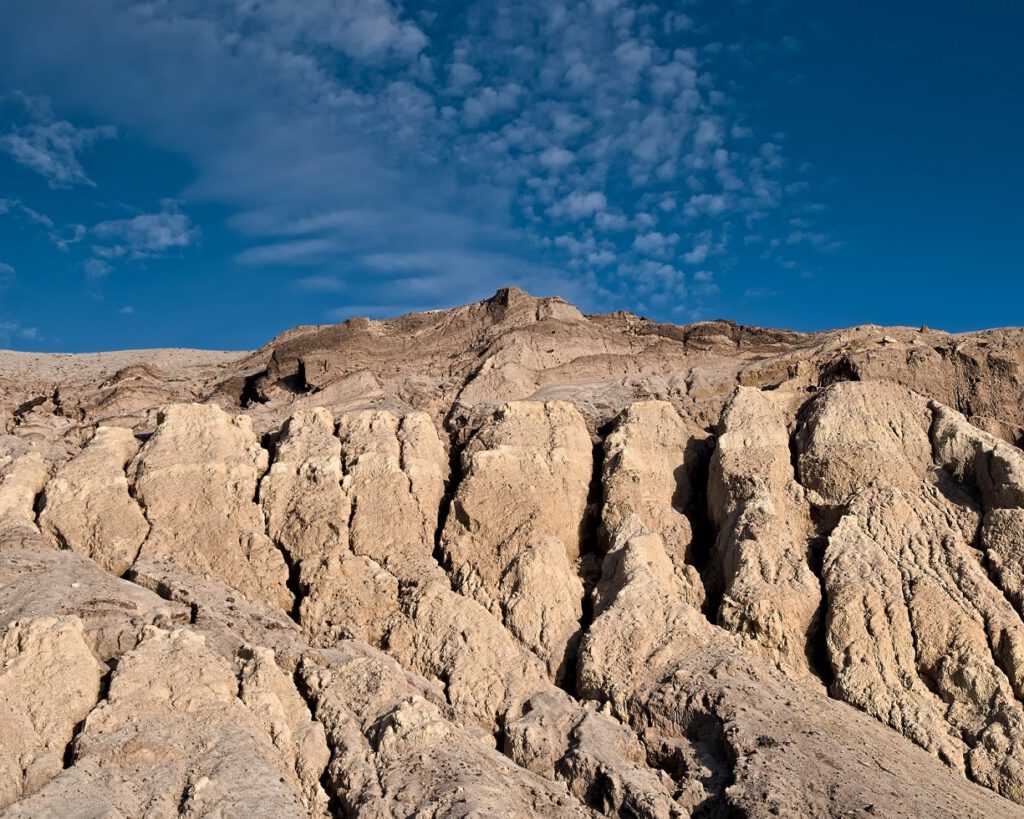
[{"x": 210, "y": 172}]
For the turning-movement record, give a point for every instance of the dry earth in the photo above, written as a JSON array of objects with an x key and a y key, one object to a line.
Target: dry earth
[{"x": 511, "y": 560}]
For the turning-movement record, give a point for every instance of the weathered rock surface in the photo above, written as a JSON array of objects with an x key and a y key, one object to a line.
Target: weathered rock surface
[
  {"x": 37, "y": 724},
  {"x": 761, "y": 557},
  {"x": 87, "y": 507},
  {"x": 511, "y": 560},
  {"x": 515, "y": 532},
  {"x": 172, "y": 736},
  {"x": 196, "y": 480},
  {"x": 650, "y": 470}
]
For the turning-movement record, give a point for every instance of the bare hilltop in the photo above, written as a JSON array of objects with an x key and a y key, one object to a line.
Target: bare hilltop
[{"x": 513, "y": 560}]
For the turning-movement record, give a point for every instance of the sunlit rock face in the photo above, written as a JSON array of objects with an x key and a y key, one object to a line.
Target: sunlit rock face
[{"x": 511, "y": 560}]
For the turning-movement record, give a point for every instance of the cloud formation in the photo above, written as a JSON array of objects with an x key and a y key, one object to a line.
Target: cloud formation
[
  {"x": 585, "y": 145},
  {"x": 147, "y": 234},
  {"x": 48, "y": 146}
]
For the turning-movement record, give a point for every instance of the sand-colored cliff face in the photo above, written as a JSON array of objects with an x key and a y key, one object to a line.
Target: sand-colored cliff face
[{"x": 510, "y": 560}]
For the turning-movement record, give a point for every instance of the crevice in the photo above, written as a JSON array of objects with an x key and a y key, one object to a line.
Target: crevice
[
  {"x": 817, "y": 637},
  {"x": 706, "y": 758},
  {"x": 336, "y": 806},
  {"x": 589, "y": 564},
  {"x": 823, "y": 521},
  {"x": 293, "y": 582},
  {"x": 133, "y": 494},
  {"x": 39, "y": 504},
  {"x": 104, "y": 689},
  {"x": 704, "y": 536},
  {"x": 268, "y": 442},
  {"x": 25, "y": 408},
  {"x": 839, "y": 369},
  {"x": 445, "y": 508}
]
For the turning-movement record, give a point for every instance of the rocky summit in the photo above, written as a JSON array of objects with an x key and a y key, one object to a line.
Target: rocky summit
[{"x": 513, "y": 560}]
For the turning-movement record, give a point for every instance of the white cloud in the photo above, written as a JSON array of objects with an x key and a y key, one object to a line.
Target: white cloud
[
  {"x": 299, "y": 251},
  {"x": 556, "y": 158},
  {"x": 654, "y": 243},
  {"x": 462, "y": 76},
  {"x": 601, "y": 258},
  {"x": 321, "y": 284},
  {"x": 96, "y": 269},
  {"x": 6, "y": 270},
  {"x": 149, "y": 234},
  {"x": 699, "y": 254},
  {"x": 710, "y": 204},
  {"x": 50, "y": 147},
  {"x": 489, "y": 101},
  {"x": 13, "y": 330},
  {"x": 579, "y": 205},
  {"x": 364, "y": 30}
]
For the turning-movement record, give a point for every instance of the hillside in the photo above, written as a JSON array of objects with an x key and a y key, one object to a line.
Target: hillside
[{"x": 513, "y": 560}]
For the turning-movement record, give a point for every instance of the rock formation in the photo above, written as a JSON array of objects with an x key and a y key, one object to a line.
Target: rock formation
[{"x": 512, "y": 560}]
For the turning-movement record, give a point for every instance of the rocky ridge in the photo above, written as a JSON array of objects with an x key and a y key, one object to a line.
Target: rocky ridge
[{"x": 512, "y": 560}]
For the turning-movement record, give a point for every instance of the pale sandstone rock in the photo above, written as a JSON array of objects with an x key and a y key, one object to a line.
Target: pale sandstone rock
[
  {"x": 663, "y": 713},
  {"x": 485, "y": 671},
  {"x": 284, "y": 716},
  {"x": 22, "y": 477},
  {"x": 87, "y": 507},
  {"x": 23, "y": 474},
  {"x": 649, "y": 470},
  {"x": 355, "y": 515},
  {"x": 308, "y": 511},
  {"x": 41, "y": 582},
  {"x": 228, "y": 621},
  {"x": 795, "y": 753},
  {"x": 513, "y": 536},
  {"x": 49, "y": 682},
  {"x": 770, "y": 595},
  {"x": 196, "y": 479},
  {"x": 395, "y": 470},
  {"x": 600, "y": 759},
  {"x": 856, "y": 432},
  {"x": 912, "y": 612},
  {"x": 424, "y": 764},
  {"x": 172, "y": 737}
]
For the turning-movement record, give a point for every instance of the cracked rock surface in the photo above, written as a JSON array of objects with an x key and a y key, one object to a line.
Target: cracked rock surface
[{"x": 512, "y": 560}]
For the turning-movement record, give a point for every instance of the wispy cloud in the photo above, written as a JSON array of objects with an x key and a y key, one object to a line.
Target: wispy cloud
[
  {"x": 96, "y": 269},
  {"x": 322, "y": 284},
  {"x": 17, "y": 331},
  {"x": 49, "y": 146}
]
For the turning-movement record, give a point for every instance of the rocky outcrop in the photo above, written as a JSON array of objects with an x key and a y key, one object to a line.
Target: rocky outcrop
[
  {"x": 196, "y": 480},
  {"x": 513, "y": 560},
  {"x": 855, "y": 433},
  {"x": 650, "y": 470},
  {"x": 87, "y": 507},
  {"x": 49, "y": 682},
  {"x": 770, "y": 595},
  {"x": 395, "y": 753},
  {"x": 172, "y": 736},
  {"x": 515, "y": 532}
]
